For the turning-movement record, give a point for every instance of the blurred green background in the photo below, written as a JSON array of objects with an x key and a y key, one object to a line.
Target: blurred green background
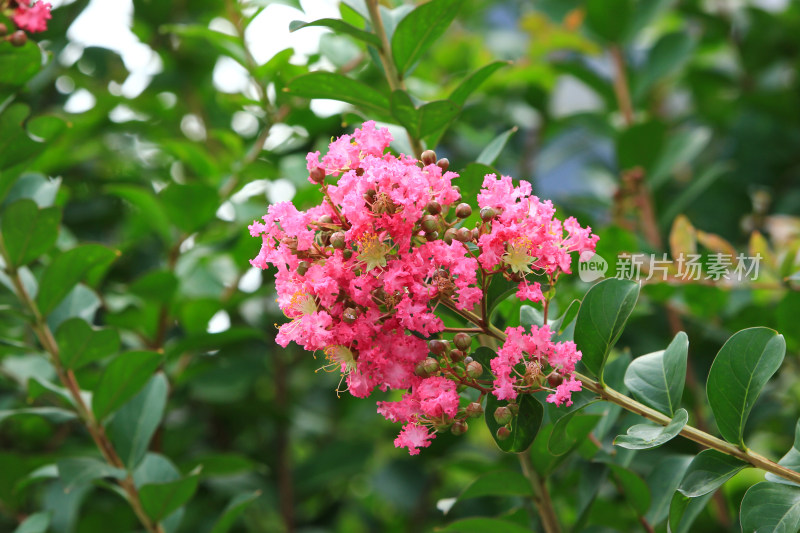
[{"x": 629, "y": 115}]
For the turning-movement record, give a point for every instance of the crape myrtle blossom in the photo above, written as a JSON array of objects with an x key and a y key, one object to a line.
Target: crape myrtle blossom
[
  {"x": 31, "y": 17},
  {"x": 362, "y": 276}
]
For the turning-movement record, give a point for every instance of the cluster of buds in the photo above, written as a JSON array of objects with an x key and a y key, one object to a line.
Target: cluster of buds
[
  {"x": 27, "y": 16},
  {"x": 361, "y": 275}
]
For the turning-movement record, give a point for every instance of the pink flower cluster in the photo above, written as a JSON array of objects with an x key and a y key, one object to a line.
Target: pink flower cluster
[
  {"x": 541, "y": 352},
  {"x": 32, "y": 17},
  {"x": 360, "y": 276}
]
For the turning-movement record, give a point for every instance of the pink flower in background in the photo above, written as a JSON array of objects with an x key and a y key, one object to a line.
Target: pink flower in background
[{"x": 32, "y": 18}]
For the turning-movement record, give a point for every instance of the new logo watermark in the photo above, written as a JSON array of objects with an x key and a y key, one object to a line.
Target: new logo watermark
[{"x": 591, "y": 267}]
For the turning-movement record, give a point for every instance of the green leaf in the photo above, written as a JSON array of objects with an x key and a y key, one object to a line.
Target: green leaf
[
  {"x": 37, "y": 522},
  {"x": 419, "y": 29},
  {"x": 204, "y": 202},
  {"x": 340, "y": 26},
  {"x": 484, "y": 355},
  {"x": 338, "y": 87},
  {"x": 679, "y": 149},
  {"x": 644, "y": 436},
  {"x": 161, "y": 499},
  {"x": 28, "y": 231},
  {"x": 77, "y": 471},
  {"x": 18, "y": 64},
  {"x": 122, "y": 379},
  {"x": 635, "y": 489},
  {"x": 657, "y": 379},
  {"x": 524, "y": 426},
  {"x": 53, "y": 414},
  {"x": 683, "y": 511},
  {"x": 492, "y": 151},
  {"x": 609, "y": 19},
  {"x": 708, "y": 471},
  {"x": 601, "y": 319},
  {"x": 639, "y": 145},
  {"x": 497, "y": 483},
  {"x": 146, "y": 206},
  {"x": 484, "y": 525},
  {"x": 473, "y": 81},
  {"x": 771, "y": 507},
  {"x": 742, "y": 367},
  {"x": 67, "y": 270},
  {"x": 667, "y": 56},
  {"x": 80, "y": 344},
  {"x": 424, "y": 120},
  {"x": 790, "y": 460},
  {"x": 81, "y": 302},
  {"x": 225, "y": 44},
  {"x": 235, "y": 508},
  {"x": 663, "y": 481},
  {"x": 570, "y": 430},
  {"x": 137, "y": 421},
  {"x": 36, "y": 187}
]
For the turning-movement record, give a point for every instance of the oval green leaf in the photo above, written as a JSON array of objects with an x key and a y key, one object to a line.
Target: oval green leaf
[
  {"x": 122, "y": 379},
  {"x": 137, "y": 421},
  {"x": 160, "y": 499},
  {"x": 742, "y": 367},
  {"x": 644, "y": 436},
  {"x": 79, "y": 344},
  {"x": 657, "y": 379},
  {"x": 339, "y": 26},
  {"x": 419, "y": 29},
  {"x": 338, "y": 87},
  {"x": 790, "y": 460},
  {"x": 771, "y": 508},
  {"x": 28, "y": 231},
  {"x": 601, "y": 319},
  {"x": 708, "y": 471},
  {"x": 68, "y": 269}
]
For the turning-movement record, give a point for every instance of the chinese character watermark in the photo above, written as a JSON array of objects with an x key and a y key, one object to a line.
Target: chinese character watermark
[{"x": 716, "y": 267}]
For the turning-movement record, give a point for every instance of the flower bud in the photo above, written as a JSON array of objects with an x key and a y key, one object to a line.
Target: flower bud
[
  {"x": 349, "y": 315},
  {"x": 449, "y": 235},
  {"x": 459, "y": 427},
  {"x": 325, "y": 219},
  {"x": 317, "y": 175},
  {"x": 468, "y": 360},
  {"x": 428, "y": 157},
  {"x": 503, "y": 415},
  {"x": 19, "y": 38},
  {"x": 514, "y": 407},
  {"x": 348, "y": 254},
  {"x": 419, "y": 370},
  {"x": 463, "y": 234},
  {"x": 487, "y": 214},
  {"x": 474, "y": 369},
  {"x": 503, "y": 433},
  {"x": 443, "y": 163},
  {"x": 337, "y": 240},
  {"x": 474, "y": 410},
  {"x": 3, "y": 29},
  {"x": 302, "y": 268},
  {"x": 476, "y": 233},
  {"x": 433, "y": 207},
  {"x": 463, "y": 210},
  {"x": 428, "y": 223},
  {"x": 431, "y": 236},
  {"x": 436, "y": 346},
  {"x": 456, "y": 355},
  {"x": 430, "y": 365},
  {"x": 462, "y": 341},
  {"x": 554, "y": 380}
]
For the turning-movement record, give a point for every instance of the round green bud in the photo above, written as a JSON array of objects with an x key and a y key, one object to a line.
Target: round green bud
[
  {"x": 436, "y": 346},
  {"x": 428, "y": 157},
  {"x": 431, "y": 365},
  {"x": 449, "y": 235},
  {"x": 463, "y": 210},
  {"x": 456, "y": 355},
  {"x": 431, "y": 236},
  {"x": 503, "y": 415},
  {"x": 433, "y": 207},
  {"x": 514, "y": 407},
  {"x": 459, "y": 427},
  {"x": 503, "y": 433},
  {"x": 348, "y": 254},
  {"x": 428, "y": 223},
  {"x": 337, "y": 240},
  {"x": 474, "y": 369},
  {"x": 3, "y": 29},
  {"x": 443, "y": 163},
  {"x": 487, "y": 214},
  {"x": 463, "y": 234},
  {"x": 474, "y": 410},
  {"x": 325, "y": 219},
  {"x": 349, "y": 315},
  {"x": 462, "y": 341}
]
